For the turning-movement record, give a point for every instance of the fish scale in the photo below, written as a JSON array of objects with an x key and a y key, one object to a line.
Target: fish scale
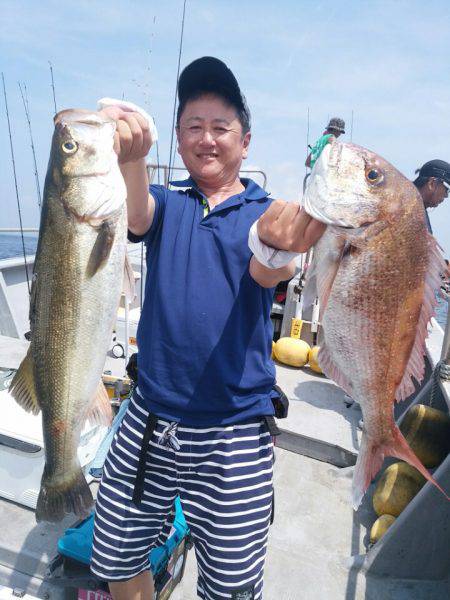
[
  {"x": 77, "y": 284},
  {"x": 375, "y": 270}
]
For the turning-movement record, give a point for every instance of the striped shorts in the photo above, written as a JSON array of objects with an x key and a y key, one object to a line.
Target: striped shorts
[{"x": 223, "y": 476}]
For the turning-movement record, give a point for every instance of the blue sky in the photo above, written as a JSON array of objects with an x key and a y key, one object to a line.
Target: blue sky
[{"x": 385, "y": 60}]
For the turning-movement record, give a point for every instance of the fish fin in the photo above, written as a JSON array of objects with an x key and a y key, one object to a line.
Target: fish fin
[
  {"x": 102, "y": 247},
  {"x": 332, "y": 371},
  {"x": 23, "y": 388},
  {"x": 55, "y": 501},
  {"x": 370, "y": 460},
  {"x": 325, "y": 279},
  {"x": 322, "y": 273},
  {"x": 100, "y": 409},
  {"x": 415, "y": 366},
  {"x": 309, "y": 291},
  {"x": 129, "y": 288}
]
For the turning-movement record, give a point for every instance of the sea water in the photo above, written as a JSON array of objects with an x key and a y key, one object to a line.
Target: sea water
[{"x": 11, "y": 244}]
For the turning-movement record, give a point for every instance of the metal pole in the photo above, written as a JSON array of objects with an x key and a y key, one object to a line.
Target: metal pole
[
  {"x": 307, "y": 135},
  {"x": 127, "y": 330},
  {"x": 142, "y": 276},
  {"x": 444, "y": 370}
]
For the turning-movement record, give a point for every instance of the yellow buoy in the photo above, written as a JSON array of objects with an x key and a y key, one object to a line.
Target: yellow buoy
[
  {"x": 380, "y": 527},
  {"x": 273, "y": 350},
  {"x": 313, "y": 359},
  {"x": 396, "y": 488},
  {"x": 291, "y": 351},
  {"x": 427, "y": 431}
]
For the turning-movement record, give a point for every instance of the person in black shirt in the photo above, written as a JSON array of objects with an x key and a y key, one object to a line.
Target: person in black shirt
[{"x": 433, "y": 183}]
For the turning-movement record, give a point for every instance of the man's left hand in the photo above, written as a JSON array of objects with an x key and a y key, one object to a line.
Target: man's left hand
[{"x": 286, "y": 226}]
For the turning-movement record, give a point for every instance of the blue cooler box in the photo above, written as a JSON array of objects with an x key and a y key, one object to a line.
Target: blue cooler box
[{"x": 167, "y": 562}]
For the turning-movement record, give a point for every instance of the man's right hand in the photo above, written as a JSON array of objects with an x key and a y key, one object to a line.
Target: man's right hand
[{"x": 132, "y": 140}]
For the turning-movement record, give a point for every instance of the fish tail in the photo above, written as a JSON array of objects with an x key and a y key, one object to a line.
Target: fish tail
[
  {"x": 370, "y": 460},
  {"x": 56, "y": 500},
  {"x": 400, "y": 449}
]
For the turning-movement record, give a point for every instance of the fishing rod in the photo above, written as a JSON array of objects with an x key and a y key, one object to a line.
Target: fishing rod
[
  {"x": 307, "y": 138},
  {"x": 158, "y": 176},
  {"x": 308, "y": 148},
  {"x": 53, "y": 86},
  {"x": 23, "y": 93},
  {"x": 176, "y": 87},
  {"x": 15, "y": 183}
]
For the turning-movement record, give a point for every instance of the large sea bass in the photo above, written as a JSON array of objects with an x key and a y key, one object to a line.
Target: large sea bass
[
  {"x": 375, "y": 270},
  {"x": 76, "y": 289}
]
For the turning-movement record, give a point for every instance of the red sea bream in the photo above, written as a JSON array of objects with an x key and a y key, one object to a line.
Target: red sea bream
[{"x": 375, "y": 270}]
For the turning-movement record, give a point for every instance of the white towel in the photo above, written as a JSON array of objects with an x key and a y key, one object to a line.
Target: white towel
[
  {"x": 267, "y": 256},
  {"x": 130, "y": 106}
]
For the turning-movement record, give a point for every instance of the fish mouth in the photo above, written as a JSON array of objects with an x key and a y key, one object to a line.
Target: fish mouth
[
  {"x": 80, "y": 116},
  {"x": 316, "y": 186},
  {"x": 326, "y": 199},
  {"x": 94, "y": 174}
]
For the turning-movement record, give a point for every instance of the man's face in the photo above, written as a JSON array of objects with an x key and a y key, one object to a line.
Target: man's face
[
  {"x": 335, "y": 132},
  {"x": 210, "y": 140},
  {"x": 437, "y": 192}
]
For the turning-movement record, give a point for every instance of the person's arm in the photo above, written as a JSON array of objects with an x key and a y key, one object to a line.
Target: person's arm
[
  {"x": 132, "y": 142},
  {"x": 140, "y": 203}
]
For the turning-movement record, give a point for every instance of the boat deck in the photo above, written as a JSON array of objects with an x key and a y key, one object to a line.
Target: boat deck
[
  {"x": 322, "y": 422},
  {"x": 316, "y": 533},
  {"x": 313, "y": 538}
]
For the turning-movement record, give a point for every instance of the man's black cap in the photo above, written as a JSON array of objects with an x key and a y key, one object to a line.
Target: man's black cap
[
  {"x": 337, "y": 124},
  {"x": 435, "y": 168},
  {"x": 210, "y": 75}
]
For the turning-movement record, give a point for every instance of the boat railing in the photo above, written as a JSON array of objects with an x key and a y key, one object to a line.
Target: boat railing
[
  {"x": 18, "y": 230},
  {"x": 445, "y": 354},
  {"x": 153, "y": 171}
]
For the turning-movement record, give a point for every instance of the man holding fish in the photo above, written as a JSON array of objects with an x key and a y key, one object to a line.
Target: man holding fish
[{"x": 196, "y": 425}]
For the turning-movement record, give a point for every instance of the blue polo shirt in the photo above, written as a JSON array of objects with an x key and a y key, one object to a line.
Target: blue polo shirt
[{"x": 205, "y": 335}]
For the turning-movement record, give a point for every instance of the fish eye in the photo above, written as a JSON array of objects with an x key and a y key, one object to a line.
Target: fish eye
[
  {"x": 374, "y": 175},
  {"x": 69, "y": 147}
]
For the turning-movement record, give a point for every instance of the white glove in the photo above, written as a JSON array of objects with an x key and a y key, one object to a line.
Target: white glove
[
  {"x": 267, "y": 256},
  {"x": 130, "y": 106}
]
